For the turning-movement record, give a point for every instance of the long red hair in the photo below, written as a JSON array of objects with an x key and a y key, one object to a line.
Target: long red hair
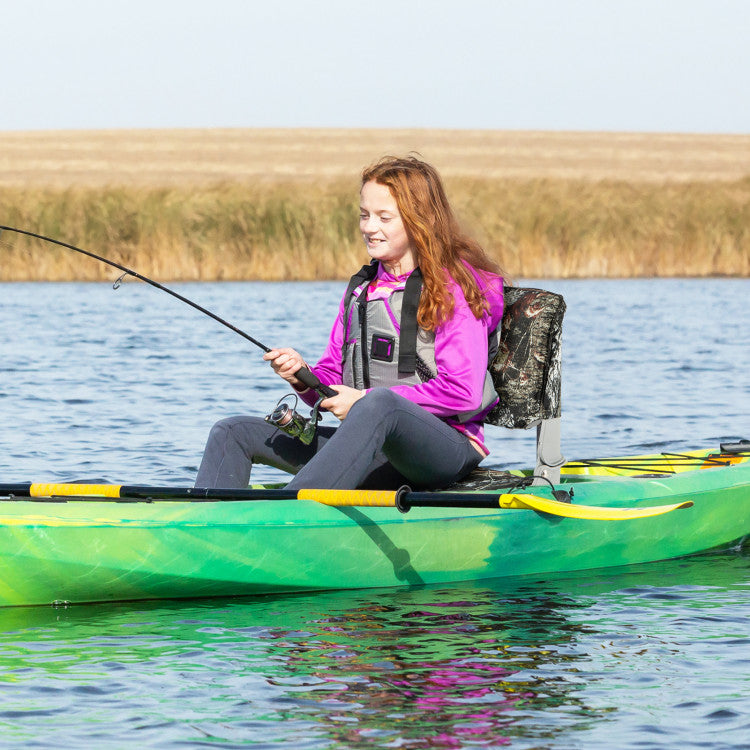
[{"x": 439, "y": 244}]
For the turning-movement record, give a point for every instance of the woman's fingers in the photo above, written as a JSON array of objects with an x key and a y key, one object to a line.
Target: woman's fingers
[{"x": 285, "y": 362}]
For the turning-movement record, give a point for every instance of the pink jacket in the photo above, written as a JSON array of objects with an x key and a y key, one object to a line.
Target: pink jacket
[{"x": 460, "y": 353}]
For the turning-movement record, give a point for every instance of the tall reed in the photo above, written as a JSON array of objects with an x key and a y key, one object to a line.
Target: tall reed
[{"x": 308, "y": 230}]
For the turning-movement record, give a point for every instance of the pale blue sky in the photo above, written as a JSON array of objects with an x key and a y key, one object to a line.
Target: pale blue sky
[{"x": 632, "y": 65}]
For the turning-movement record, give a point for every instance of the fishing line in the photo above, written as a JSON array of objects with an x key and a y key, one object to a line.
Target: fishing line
[{"x": 303, "y": 375}]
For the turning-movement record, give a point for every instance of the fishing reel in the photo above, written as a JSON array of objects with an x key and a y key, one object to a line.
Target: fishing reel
[{"x": 289, "y": 420}]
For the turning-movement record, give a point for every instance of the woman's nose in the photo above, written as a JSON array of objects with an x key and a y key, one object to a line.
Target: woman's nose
[{"x": 369, "y": 224}]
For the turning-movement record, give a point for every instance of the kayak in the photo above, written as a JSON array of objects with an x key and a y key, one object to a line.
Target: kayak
[{"x": 81, "y": 543}]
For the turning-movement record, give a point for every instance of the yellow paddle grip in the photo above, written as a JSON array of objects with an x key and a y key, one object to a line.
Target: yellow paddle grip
[
  {"x": 74, "y": 490},
  {"x": 379, "y": 498}
]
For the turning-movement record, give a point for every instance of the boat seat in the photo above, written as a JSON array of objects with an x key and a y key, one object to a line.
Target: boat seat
[{"x": 526, "y": 372}]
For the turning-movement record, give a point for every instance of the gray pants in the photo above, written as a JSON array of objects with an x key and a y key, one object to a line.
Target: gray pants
[{"x": 385, "y": 441}]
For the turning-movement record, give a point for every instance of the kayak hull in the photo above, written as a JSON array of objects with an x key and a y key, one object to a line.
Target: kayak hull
[{"x": 89, "y": 550}]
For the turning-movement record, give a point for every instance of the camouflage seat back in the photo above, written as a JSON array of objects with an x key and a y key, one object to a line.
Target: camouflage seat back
[{"x": 526, "y": 368}]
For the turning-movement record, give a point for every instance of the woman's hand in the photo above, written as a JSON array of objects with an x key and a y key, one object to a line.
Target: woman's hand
[
  {"x": 285, "y": 363},
  {"x": 340, "y": 404}
]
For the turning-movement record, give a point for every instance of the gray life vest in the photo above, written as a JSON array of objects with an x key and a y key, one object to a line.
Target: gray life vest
[{"x": 393, "y": 355}]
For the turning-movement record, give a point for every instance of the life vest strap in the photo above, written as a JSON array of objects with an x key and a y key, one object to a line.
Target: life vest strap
[{"x": 407, "y": 340}]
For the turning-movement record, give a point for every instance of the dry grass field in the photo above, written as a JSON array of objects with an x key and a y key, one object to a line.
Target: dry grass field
[
  {"x": 148, "y": 158},
  {"x": 281, "y": 204}
]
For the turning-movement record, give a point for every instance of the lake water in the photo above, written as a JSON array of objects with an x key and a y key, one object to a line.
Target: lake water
[{"x": 123, "y": 386}]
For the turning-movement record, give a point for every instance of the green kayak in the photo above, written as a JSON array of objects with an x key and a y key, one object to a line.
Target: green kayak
[{"x": 62, "y": 543}]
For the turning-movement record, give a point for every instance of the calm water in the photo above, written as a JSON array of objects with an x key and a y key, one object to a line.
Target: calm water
[{"x": 123, "y": 386}]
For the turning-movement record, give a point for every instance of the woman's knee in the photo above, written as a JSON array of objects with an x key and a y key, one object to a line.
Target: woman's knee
[
  {"x": 230, "y": 427},
  {"x": 378, "y": 401},
  {"x": 221, "y": 428}
]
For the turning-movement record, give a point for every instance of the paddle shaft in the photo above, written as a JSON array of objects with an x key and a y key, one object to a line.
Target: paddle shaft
[
  {"x": 304, "y": 375},
  {"x": 403, "y": 499}
]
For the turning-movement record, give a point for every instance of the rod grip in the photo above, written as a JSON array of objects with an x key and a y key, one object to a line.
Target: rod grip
[{"x": 305, "y": 376}]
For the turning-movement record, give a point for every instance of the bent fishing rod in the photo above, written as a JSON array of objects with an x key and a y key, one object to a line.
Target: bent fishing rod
[{"x": 304, "y": 374}]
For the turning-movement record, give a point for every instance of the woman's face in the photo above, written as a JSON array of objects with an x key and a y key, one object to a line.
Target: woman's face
[{"x": 383, "y": 229}]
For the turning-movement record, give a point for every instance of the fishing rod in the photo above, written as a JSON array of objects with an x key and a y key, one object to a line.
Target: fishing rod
[{"x": 304, "y": 374}]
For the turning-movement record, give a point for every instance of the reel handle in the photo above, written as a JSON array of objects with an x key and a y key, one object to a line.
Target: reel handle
[{"x": 306, "y": 377}]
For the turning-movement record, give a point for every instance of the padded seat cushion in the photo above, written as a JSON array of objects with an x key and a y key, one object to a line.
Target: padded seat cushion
[{"x": 526, "y": 368}]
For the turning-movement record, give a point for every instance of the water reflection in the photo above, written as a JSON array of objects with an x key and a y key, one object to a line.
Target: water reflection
[{"x": 439, "y": 671}]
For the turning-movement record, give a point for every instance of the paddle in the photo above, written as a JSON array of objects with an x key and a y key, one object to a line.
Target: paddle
[{"x": 403, "y": 499}]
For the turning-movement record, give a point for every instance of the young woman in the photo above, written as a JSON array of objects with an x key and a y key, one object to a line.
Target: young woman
[{"x": 407, "y": 356}]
